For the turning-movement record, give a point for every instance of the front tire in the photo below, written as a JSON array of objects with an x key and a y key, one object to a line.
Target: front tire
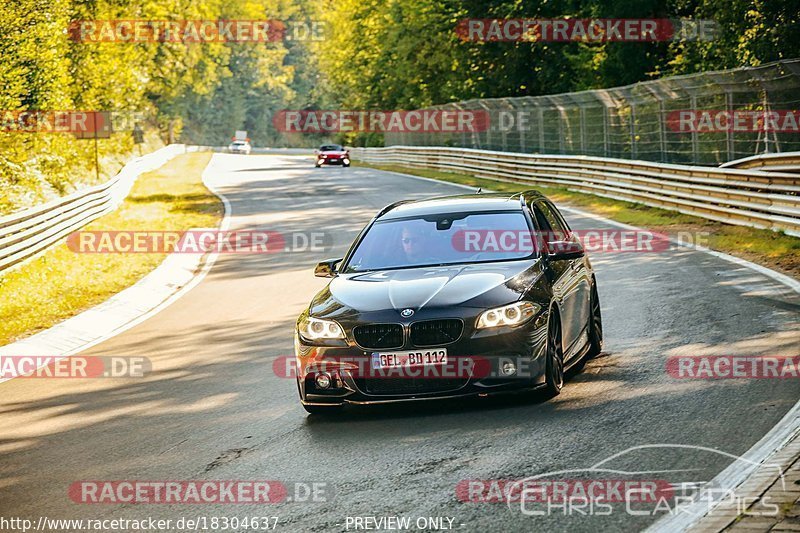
[
  {"x": 554, "y": 368},
  {"x": 595, "y": 326}
]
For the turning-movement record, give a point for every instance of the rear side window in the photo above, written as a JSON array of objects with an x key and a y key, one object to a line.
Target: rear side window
[
  {"x": 549, "y": 220},
  {"x": 559, "y": 216}
]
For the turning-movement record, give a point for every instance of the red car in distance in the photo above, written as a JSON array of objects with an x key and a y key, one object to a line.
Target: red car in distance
[{"x": 332, "y": 154}]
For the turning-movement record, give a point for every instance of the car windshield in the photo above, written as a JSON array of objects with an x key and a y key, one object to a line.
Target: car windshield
[
  {"x": 448, "y": 239},
  {"x": 330, "y": 148},
  {"x": 239, "y": 143}
]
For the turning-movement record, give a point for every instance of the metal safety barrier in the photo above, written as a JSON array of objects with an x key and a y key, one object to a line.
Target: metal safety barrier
[
  {"x": 27, "y": 233},
  {"x": 747, "y": 197},
  {"x": 780, "y": 162}
]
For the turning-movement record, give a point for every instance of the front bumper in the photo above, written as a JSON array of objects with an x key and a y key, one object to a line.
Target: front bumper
[
  {"x": 476, "y": 358},
  {"x": 333, "y": 161}
]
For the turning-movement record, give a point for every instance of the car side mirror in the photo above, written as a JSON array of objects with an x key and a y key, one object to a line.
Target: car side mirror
[
  {"x": 327, "y": 268},
  {"x": 566, "y": 249}
]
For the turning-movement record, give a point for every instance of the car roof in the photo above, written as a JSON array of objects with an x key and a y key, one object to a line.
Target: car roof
[{"x": 459, "y": 203}]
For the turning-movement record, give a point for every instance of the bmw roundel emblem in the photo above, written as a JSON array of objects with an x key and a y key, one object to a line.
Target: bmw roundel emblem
[{"x": 405, "y": 313}]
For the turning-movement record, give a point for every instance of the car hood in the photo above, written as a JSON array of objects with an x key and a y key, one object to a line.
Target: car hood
[{"x": 474, "y": 285}]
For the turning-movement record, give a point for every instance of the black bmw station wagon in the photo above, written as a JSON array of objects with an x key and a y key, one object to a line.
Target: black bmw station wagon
[{"x": 453, "y": 296}]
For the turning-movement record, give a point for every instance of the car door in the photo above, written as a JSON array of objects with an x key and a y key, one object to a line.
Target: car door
[
  {"x": 565, "y": 275},
  {"x": 584, "y": 279}
]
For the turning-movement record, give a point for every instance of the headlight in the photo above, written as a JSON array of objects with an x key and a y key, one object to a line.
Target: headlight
[
  {"x": 316, "y": 328},
  {"x": 508, "y": 315}
]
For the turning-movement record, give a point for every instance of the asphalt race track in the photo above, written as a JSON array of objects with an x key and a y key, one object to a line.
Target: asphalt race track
[{"x": 213, "y": 407}]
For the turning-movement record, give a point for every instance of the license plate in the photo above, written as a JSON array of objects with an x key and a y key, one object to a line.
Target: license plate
[{"x": 409, "y": 359}]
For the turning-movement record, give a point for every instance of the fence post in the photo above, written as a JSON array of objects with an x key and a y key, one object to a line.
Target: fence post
[
  {"x": 583, "y": 129},
  {"x": 633, "y": 131},
  {"x": 541, "y": 130},
  {"x": 695, "y": 150},
  {"x": 662, "y": 131},
  {"x": 729, "y": 131},
  {"x": 489, "y": 129}
]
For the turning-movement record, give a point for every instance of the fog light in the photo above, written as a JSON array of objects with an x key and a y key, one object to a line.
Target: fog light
[
  {"x": 509, "y": 369},
  {"x": 323, "y": 380}
]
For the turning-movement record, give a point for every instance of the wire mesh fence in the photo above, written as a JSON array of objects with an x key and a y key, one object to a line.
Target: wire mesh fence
[{"x": 707, "y": 118}]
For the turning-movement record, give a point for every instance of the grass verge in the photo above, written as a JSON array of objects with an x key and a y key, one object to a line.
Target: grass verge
[
  {"x": 772, "y": 249},
  {"x": 61, "y": 283}
]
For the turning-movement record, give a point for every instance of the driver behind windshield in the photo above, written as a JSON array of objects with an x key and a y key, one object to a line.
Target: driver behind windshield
[{"x": 415, "y": 244}]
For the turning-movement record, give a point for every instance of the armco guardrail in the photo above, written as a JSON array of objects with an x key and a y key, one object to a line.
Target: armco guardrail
[
  {"x": 753, "y": 198},
  {"x": 30, "y": 232},
  {"x": 779, "y": 162}
]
